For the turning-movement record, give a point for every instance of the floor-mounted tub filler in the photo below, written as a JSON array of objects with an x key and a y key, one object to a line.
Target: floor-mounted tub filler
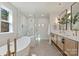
[{"x": 22, "y": 47}]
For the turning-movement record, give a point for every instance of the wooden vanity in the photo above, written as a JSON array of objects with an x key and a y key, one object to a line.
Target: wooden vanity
[{"x": 66, "y": 45}]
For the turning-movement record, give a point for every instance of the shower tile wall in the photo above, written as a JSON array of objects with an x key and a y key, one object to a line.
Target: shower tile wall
[
  {"x": 30, "y": 26},
  {"x": 22, "y": 25}
]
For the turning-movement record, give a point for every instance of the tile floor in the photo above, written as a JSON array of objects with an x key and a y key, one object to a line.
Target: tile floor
[{"x": 43, "y": 48}]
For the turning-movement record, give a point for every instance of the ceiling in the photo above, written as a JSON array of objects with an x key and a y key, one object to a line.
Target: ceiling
[{"x": 42, "y": 7}]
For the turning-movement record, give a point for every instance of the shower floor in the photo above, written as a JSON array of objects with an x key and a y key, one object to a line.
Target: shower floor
[{"x": 43, "y": 48}]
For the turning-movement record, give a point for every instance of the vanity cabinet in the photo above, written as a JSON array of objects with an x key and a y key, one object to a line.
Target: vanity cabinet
[
  {"x": 54, "y": 39},
  {"x": 60, "y": 43},
  {"x": 78, "y": 49},
  {"x": 68, "y": 46}
]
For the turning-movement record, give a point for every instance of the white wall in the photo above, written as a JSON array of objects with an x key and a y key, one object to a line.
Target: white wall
[
  {"x": 30, "y": 26},
  {"x": 22, "y": 24},
  {"x": 53, "y": 25}
]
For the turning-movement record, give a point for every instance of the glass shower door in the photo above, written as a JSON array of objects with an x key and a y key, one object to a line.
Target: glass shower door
[{"x": 41, "y": 28}]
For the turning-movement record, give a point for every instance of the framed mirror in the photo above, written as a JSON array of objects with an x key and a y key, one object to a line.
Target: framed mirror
[{"x": 74, "y": 15}]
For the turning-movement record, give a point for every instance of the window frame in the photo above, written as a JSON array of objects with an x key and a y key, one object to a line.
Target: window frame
[{"x": 9, "y": 21}]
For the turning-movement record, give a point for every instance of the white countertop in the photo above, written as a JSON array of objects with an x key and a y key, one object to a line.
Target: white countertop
[{"x": 68, "y": 35}]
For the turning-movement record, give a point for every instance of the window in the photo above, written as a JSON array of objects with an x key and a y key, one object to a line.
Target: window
[{"x": 5, "y": 20}]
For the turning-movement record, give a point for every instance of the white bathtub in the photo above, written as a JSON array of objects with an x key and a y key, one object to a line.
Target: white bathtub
[{"x": 23, "y": 47}]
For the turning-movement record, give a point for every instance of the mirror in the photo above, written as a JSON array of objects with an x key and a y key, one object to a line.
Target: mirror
[{"x": 74, "y": 16}]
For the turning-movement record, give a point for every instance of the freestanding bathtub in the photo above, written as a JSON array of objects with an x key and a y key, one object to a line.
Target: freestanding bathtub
[{"x": 22, "y": 47}]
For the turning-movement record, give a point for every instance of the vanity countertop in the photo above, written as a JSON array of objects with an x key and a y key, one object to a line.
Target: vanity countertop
[{"x": 66, "y": 35}]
